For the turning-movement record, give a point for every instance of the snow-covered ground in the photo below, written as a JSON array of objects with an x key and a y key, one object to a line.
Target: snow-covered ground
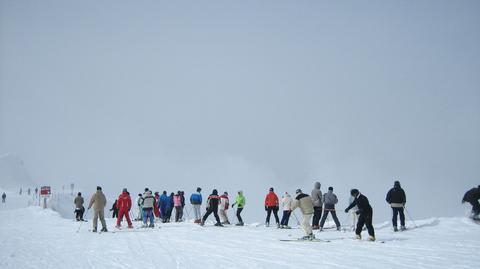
[{"x": 31, "y": 237}]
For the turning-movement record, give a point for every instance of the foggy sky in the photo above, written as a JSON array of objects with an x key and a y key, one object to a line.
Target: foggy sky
[{"x": 244, "y": 95}]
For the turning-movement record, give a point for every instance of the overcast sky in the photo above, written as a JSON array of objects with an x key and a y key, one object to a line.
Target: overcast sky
[{"x": 246, "y": 95}]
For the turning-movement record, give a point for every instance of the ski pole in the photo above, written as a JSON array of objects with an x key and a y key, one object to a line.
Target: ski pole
[
  {"x": 410, "y": 217},
  {"x": 81, "y": 222},
  {"x": 298, "y": 222}
]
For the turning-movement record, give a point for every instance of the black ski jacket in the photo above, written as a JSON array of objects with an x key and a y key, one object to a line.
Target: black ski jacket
[
  {"x": 396, "y": 195},
  {"x": 472, "y": 195},
  {"x": 213, "y": 202},
  {"x": 362, "y": 204}
]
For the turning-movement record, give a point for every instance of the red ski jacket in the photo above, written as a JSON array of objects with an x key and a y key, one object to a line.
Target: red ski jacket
[
  {"x": 124, "y": 202},
  {"x": 271, "y": 199}
]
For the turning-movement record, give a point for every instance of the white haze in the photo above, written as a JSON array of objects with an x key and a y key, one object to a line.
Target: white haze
[{"x": 246, "y": 95}]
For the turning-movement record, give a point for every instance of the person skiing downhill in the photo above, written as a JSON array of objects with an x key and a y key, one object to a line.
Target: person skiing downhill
[
  {"x": 114, "y": 209},
  {"x": 98, "y": 201},
  {"x": 148, "y": 201},
  {"x": 472, "y": 196},
  {"x": 240, "y": 202},
  {"x": 196, "y": 201},
  {"x": 213, "y": 202},
  {"x": 330, "y": 200},
  {"x": 305, "y": 203},
  {"x": 365, "y": 213},
  {"x": 317, "y": 198},
  {"x": 224, "y": 205},
  {"x": 177, "y": 203},
  {"x": 271, "y": 204},
  {"x": 287, "y": 210},
  {"x": 79, "y": 209},
  {"x": 124, "y": 204},
  {"x": 397, "y": 199},
  {"x": 4, "y": 196}
]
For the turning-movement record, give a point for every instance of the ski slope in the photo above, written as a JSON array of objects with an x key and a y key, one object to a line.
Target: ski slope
[{"x": 31, "y": 237}]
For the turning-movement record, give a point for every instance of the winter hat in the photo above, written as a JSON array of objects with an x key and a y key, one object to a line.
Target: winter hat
[
  {"x": 199, "y": 189},
  {"x": 99, "y": 188},
  {"x": 215, "y": 192},
  {"x": 146, "y": 189},
  {"x": 226, "y": 193},
  {"x": 124, "y": 190},
  {"x": 396, "y": 184},
  {"x": 271, "y": 189},
  {"x": 330, "y": 188},
  {"x": 139, "y": 194},
  {"x": 317, "y": 185},
  {"x": 164, "y": 192},
  {"x": 79, "y": 194},
  {"x": 298, "y": 191},
  {"x": 354, "y": 192}
]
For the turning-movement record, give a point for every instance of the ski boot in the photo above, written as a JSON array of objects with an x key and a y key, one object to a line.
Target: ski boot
[
  {"x": 286, "y": 227},
  {"x": 118, "y": 227},
  {"x": 278, "y": 225},
  {"x": 403, "y": 228},
  {"x": 267, "y": 224},
  {"x": 315, "y": 227},
  {"x": 94, "y": 230},
  {"x": 339, "y": 228},
  {"x": 371, "y": 238},
  {"x": 239, "y": 224},
  {"x": 130, "y": 226},
  {"x": 395, "y": 229},
  {"x": 151, "y": 225},
  {"x": 358, "y": 237},
  {"x": 320, "y": 229},
  {"x": 202, "y": 223},
  {"x": 218, "y": 224},
  {"x": 104, "y": 229}
]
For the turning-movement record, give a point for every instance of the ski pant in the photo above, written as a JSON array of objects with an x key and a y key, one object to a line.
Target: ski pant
[
  {"x": 396, "y": 212},
  {"x": 307, "y": 228},
  {"x": 239, "y": 211},
  {"x": 169, "y": 214},
  {"x": 334, "y": 216},
  {"x": 365, "y": 219},
  {"x": 99, "y": 214},
  {"x": 121, "y": 213},
  {"x": 79, "y": 213},
  {"x": 475, "y": 207},
  {"x": 163, "y": 213},
  {"x": 148, "y": 215},
  {"x": 223, "y": 215},
  {"x": 178, "y": 213},
  {"x": 3, "y": 200},
  {"x": 210, "y": 211},
  {"x": 285, "y": 217},
  {"x": 317, "y": 214},
  {"x": 196, "y": 211},
  {"x": 275, "y": 214}
]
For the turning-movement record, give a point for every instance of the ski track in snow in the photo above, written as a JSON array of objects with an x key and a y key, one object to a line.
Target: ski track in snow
[{"x": 31, "y": 237}]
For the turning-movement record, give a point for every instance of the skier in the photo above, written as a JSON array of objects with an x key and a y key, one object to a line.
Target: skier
[
  {"x": 4, "y": 196},
  {"x": 317, "y": 198},
  {"x": 305, "y": 203},
  {"x": 224, "y": 205},
  {"x": 365, "y": 213},
  {"x": 156, "y": 210},
  {"x": 170, "y": 207},
  {"x": 472, "y": 197},
  {"x": 147, "y": 205},
  {"x": 396, "y": 198},
  {"x": 196, "y": 201},
  {"x": 36, "y": 191},
  {"x": 271, "y": 204},
  {"x": 139, "y": 207},
  {"x": 212, "y": 207},
  {"x": 177, "y": 203},
  {"x": 20, "y": 191},
  {"x": 28, "y": 191},
  {"x": 240, "y": 202},
  {"x": 330, "y": 199},
  {"x": 124, "y": 204},
  {"x": 162, "y": 204},
  {"x": 79, "y": 209},
  {"x": 287, "y": 210},
  {"x": 98, "y": 201},
  {"x": 114, "y": 209}
]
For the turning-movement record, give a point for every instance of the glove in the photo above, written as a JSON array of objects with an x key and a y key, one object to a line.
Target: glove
[
  {"x": 346, "y": 210},
  {"x": 266, "y": 208},
  {"x": 233, "y": 205}
]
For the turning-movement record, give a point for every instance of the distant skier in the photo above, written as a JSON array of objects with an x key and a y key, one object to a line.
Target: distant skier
[
  {"x": 20, "y": 191},
  {"x": 156, "y": 210},
  {"x": 196, "y": 201},
  {"x": 365, "y": 213},
  {"x": 397, "y": 199},
  {"x": 114, "y": 209},
  {"x": 4, "y": 196},
  {"x": 98, "y": 201},
  {"x": 287, "y": 210},
  {"x": 271, "y": 204},
  {"x": 139, "y": 207},
  {"x": 177, "y": 203},
  {"x": 305, "y": 203},
  {"x": 472, "y": 196},
  {"x": 28, "y": 191},
  {"x": 330, "y": 200},
  {"x": 224, "y": 205},
  {"x": 79, "y": 209},
  {"x": 36, "y": 191},
  {"x": 147, "y": 205},
  {"x": 124, "y": 204},
  {"x": 213, "y": 202},
  {"x": 317, "y": 198},
  {"x": 240, "y": 202}
]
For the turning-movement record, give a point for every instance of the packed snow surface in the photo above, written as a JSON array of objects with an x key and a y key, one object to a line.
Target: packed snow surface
[{"x": 32, "y": 237}]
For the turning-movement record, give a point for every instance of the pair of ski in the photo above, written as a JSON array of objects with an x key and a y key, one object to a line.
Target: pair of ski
[{"x": 318, "y": 240}]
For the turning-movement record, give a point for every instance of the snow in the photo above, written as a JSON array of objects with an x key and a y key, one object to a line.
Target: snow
[{"x": 32, "y": 237}]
